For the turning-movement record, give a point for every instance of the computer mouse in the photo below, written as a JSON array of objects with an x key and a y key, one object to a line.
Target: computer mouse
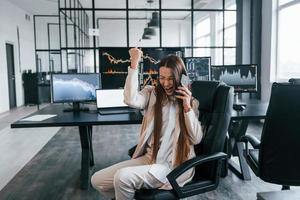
[{"x": 239, "y": 107}]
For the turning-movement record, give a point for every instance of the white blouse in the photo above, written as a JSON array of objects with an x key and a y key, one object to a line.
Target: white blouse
[{"x": 162, "y": 166}]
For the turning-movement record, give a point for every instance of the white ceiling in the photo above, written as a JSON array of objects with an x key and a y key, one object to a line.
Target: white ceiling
[
  {"x": 50, "y": 7},
  {"x": 38, "y": 7}
]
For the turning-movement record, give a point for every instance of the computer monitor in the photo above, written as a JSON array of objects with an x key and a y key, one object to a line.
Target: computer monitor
[
  {"x": 74, "y": 88},
  {"x": 242, "y": 77},
  {"x": 198, "y": 68}
]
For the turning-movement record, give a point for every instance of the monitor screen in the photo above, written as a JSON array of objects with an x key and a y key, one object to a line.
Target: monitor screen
[
  {"x": 74, "y": 87},
  {"x": 151, "y": 58},
  {"x": 110, "y": 98},
  {"x": 198, "y": 68},
  {"x": 242, "y": 77},
  {"x": 114, "y": 62}
]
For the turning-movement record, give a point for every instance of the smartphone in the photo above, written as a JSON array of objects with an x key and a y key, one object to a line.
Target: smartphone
[{"x": 185, "y": 81}]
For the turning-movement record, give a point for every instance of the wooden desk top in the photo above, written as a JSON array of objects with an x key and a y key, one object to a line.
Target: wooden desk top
[{"x": 252, "y": 111}]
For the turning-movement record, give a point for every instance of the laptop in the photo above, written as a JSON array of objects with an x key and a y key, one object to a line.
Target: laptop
[{"x": 111, "y": 101}]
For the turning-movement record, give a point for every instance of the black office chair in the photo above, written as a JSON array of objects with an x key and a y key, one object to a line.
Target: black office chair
[
  {"x": 275, "y": 158},
  {"x": 294, "y": 80},
  {"x": 215, "y": 111}
]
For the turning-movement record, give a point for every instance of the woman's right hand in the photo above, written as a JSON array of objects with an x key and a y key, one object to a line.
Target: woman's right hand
[{"x": 135, "y": 57}]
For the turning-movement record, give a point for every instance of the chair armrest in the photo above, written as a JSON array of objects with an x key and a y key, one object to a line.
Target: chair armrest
[
  {"x": 175, "y": 173},
  {"x": 252, "y": 162},
  {"x": 252, "y": 140},
  {"x": 131, "y": 151}
]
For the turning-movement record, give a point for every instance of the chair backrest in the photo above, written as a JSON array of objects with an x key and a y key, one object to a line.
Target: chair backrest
[
  {"x": 279, "y": 160},
  {"x": 294, "y": 80},
  {"x": 215, "y": 112}
]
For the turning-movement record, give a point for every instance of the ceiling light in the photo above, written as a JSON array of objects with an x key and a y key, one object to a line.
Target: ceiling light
[
  {"x": 154, "y": 22},
  {"x": 149, "y": 31},
  {"x": 146, "y": 37}
]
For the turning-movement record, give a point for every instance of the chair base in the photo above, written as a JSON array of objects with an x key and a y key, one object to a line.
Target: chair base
[{"x": 285, "y": 187}]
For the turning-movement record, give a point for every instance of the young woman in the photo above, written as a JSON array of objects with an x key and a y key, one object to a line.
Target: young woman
[{"x": 169, "y": 130}]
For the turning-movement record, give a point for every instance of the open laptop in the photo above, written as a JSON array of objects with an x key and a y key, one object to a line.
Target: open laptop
[{"x": 111, "y": 101}]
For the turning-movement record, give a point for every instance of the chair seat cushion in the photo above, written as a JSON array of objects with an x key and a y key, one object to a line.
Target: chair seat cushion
[
  {"x": 152, "y": 194},
  {"x": 196, "y": 184}
]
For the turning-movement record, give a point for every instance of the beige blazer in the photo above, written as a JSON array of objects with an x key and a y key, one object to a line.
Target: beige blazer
[{"x": 145, "y": 99}]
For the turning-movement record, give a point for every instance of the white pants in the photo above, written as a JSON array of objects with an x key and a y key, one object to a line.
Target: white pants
[{"x": 122, "y": 179}]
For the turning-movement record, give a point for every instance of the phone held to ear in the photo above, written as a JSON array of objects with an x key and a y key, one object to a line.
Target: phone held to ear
[{"x": 185, "y": 81}]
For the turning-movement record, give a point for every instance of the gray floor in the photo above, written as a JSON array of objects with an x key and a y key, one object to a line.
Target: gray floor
[
  {"x": 19, "y": 146},
  {"x": 36, "y": 170}
]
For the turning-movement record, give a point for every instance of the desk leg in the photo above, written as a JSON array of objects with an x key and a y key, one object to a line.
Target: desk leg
[
  {"x": 237, "y": 130},
  {"x": 241, "y": 171},
  {"x": 84, "y": 132},
  {"x": 90, "y": 129}
]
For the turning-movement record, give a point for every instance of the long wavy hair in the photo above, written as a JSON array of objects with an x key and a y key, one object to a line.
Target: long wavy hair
[{"x": 177, "y": 66}]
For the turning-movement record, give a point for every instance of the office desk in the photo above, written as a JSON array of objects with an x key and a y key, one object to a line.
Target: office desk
[
  {"x": 237, "y": 128},
  {"x": 85, "y": 121},
  {"x": 279, "y": 195}
]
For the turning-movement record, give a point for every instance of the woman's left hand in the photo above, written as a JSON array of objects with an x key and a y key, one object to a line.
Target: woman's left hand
[{"x": 185, "y": 95}]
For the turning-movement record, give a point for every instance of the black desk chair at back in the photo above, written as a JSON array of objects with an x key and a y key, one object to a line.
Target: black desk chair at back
[
  {"x": 280, "y": 164},
  {"x": 294, "y": 80}
]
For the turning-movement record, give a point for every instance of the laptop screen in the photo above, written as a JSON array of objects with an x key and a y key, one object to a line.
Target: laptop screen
[{"x": 110, "y": 98}]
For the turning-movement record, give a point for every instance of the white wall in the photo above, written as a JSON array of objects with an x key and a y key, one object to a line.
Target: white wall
[
  {"x": 12, "y": 17},
  {"x": 268, "y": 48}
]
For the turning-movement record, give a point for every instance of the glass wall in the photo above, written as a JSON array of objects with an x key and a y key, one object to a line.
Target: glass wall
[
  {"x": 204, "y": 28},
  {"x": 75, "y": 36},
  {"x": 214, "y": 31}
]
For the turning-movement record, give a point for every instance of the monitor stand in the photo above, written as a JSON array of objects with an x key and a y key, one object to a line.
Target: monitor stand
[
  {"x": 76, "y": 108},
  {"x": 237, "y": 104}
]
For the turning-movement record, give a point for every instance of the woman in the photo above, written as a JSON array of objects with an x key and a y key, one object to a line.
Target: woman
[{"x": 169, "y": 130}]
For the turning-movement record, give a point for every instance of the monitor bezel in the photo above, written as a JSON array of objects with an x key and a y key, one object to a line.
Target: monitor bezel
[
  {"x": 73, "y": 101},
  {"x": 241, "y": 65}
]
